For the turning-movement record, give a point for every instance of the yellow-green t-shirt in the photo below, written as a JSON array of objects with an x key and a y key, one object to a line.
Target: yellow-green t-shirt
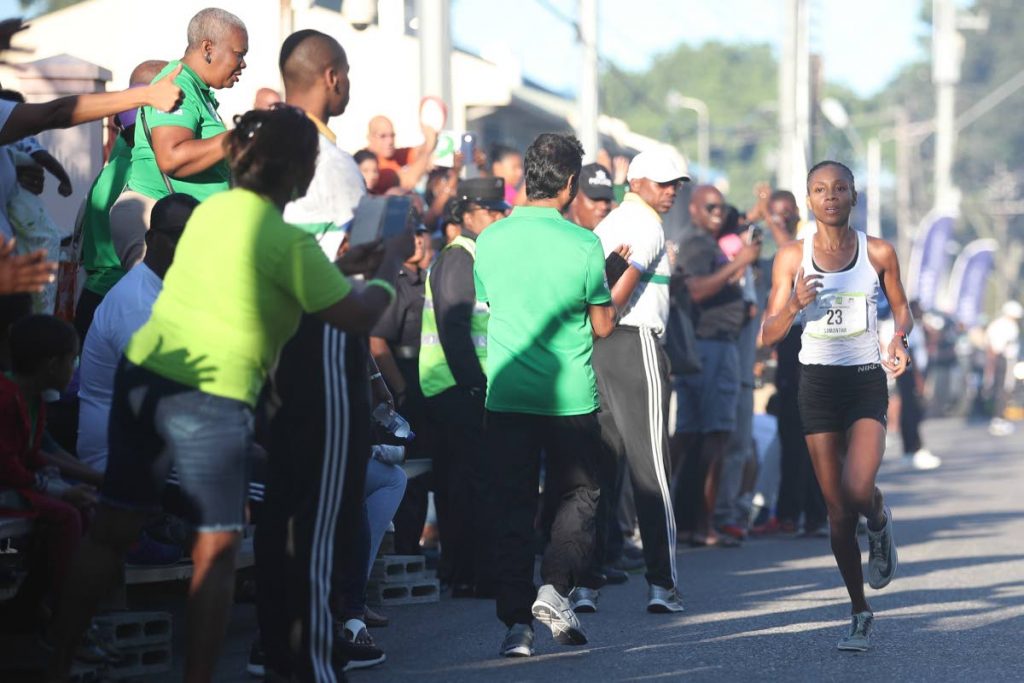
[
  {"x": 240, "y": 280},
  {"x": 198, "y": 113}
]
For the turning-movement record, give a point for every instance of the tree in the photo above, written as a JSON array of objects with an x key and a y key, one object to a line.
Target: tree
[{"x": 739, "y": 85}]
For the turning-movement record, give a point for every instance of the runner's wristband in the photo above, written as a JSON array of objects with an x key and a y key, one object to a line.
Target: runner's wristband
[{"x": 386, "y": 286}]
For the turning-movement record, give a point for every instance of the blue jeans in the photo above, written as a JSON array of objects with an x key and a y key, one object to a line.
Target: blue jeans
[{"x": 156, "y": 423}]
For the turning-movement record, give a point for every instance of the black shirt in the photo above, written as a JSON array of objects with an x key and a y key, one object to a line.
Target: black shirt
[
  {"x": 451, "y": 283},
  {"x": 402, "y": 321},
  {"x": 723, "y": 315}
]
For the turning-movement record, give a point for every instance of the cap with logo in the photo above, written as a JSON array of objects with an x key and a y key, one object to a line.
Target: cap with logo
[
  {"x": 596, "y": 182},
  {"x": 658, "y": 165},
  {"x": 488, "y": 193}
]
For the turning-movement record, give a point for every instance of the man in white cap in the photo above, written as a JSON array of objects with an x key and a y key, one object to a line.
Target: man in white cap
[{"x": 633, "y": 371}]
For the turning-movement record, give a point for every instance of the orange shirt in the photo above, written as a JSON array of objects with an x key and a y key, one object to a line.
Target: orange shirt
[{"x": 389, "y": 169}]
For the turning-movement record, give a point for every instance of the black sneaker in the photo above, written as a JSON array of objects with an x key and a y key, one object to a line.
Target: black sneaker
[
  {"x": 355, "y": 645},
  {"x": 255, "y": 665},
  {"x": 614, "y": 576}
]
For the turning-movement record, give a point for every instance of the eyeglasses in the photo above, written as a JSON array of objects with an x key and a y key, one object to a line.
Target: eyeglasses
[{"x": 711, "y": 208}]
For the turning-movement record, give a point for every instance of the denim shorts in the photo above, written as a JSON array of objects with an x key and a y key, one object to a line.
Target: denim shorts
[
  {"x": 707, "y": 401},
  {"x": 157, "y": 423}
]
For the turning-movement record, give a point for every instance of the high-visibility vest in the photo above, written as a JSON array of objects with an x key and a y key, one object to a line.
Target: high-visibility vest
[{"x": 435, "y": 375}]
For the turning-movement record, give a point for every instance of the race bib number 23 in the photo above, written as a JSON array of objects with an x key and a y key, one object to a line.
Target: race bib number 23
[{"x": 843, "y": 314}]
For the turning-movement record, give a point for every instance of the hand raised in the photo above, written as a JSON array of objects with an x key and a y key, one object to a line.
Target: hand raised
[
  {"x": 164, "y": 94},
  {"x": 807, "y": 288}
]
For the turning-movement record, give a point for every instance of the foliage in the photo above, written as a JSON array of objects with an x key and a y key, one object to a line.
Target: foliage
[{"x": 739, "y": 83}]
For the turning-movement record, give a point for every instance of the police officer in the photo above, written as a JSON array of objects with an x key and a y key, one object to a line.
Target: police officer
[
  {"x": 453, "y": 350},
  {"x": 395, "y": 345}
]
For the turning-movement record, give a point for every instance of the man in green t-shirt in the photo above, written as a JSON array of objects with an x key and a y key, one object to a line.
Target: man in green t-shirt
[
  {"x": 182, "y": 151},
  {"x": 544, "y": 280}
]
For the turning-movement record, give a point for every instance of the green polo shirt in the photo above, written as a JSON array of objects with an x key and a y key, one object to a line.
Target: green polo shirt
[
  {"x": 240, "y": 280},
  {"x": 198, "y": 113},
  {"x": 102, "y": 266},
  {"x": 538, "y": 272}
]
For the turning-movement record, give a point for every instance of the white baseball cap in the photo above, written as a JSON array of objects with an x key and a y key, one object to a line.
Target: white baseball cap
[{"x": 657, "y": 165}]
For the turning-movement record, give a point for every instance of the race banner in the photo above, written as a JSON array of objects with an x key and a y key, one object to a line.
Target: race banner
[
  {"x": 967, "y": 282},
  {"x": 929, "y": 260}
]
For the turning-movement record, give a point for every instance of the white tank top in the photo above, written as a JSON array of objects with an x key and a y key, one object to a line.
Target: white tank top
[{"x": 840, "y": 326}]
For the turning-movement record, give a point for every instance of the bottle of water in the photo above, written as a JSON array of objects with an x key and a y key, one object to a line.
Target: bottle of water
[{"x": 386, "y": 416}]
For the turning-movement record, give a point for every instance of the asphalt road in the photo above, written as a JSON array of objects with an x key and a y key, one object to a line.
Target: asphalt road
[{"x": 774, "y": 609}]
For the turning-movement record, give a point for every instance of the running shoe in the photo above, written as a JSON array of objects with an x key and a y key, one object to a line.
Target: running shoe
[
  {"x": 924, "y": 459},
  {"x": 584, "y": 599},
  {"x": 860, "y": 629},
  {"x": 256, "y": 665},
  {"x": 553, "y": 610},
  {"x": 882, "y": 556},
  {"x": 518, "y": 641},
  {"x": 356, "y": 645},
  {"x": 663, "y": 600},
  {"x": 614, "y": 576}
]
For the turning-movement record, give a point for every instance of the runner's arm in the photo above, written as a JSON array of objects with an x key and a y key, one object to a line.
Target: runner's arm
[{"x": 883, "y": 259}]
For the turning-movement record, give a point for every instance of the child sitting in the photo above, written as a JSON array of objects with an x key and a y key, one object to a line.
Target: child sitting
[{"x": 42, "y": 355}]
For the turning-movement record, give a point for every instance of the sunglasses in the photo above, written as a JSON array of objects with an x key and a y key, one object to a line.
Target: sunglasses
[{"x": 711, "y": 208}]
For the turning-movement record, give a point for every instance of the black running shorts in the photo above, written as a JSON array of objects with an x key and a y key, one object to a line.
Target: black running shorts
[{"x": 833, "y": 397}]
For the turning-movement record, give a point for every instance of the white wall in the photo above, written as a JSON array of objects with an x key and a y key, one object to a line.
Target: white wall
[{"x": 119, "y": 34}]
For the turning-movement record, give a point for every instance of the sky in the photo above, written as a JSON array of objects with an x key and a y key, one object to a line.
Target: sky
[{"x": 864, "y": 43}]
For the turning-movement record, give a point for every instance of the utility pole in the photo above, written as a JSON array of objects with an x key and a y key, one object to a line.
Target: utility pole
[
  {"x": 435, "y": 49},
  {"x": 795, "y": 101},
  {"x": 676, "y": 100},
  {"x": 588, "y": 95},
  {"x": 947, "y": 58}
]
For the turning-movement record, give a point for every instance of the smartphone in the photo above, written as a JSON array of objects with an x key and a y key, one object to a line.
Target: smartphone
[{"x": 467, "y": 146}]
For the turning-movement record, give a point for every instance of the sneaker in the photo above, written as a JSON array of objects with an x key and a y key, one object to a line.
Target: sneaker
[
  {"x": 663, "y": 600},
  {"x": 97, "y": 647},
  {"x": 1000, "y": 427},
  {"x": 255, "y": 665},
  {"x": 553, "y": 610},
  {"x": 614, "y": 576},
  {"x": 518, "y": 641},
  {"x": 926, "y": 460},
  {"x": 882, "y": 557},
  {"x": 859, "y": 637},
  {"x": 584, "y": 599},
  {"x": 356, "y": 645}
]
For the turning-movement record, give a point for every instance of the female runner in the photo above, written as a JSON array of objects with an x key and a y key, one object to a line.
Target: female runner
[{"x": 833, "y": 278}]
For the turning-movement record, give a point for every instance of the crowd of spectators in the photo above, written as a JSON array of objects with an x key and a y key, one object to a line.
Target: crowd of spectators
[{"x": 533, "y": 328}]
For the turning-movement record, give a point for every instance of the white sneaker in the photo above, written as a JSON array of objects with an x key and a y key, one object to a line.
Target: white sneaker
[
  {"x": 924, "y": 459},
  {"x": 1000, "y": 427},
  {"x": 554, "y": 611},
  {"x": 663, "y": 600}
]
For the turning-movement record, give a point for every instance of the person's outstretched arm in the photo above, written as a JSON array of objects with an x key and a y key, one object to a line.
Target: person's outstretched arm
[{"x": 31, "y": 118}]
